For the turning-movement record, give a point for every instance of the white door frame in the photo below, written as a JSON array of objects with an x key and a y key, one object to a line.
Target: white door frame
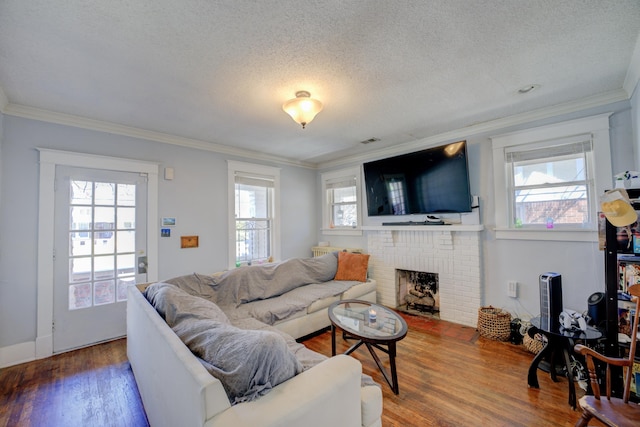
[{"x": 49, "y": 159}]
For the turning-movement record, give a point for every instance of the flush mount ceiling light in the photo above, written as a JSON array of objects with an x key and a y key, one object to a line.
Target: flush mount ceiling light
[{"x": 302, "y": 108}]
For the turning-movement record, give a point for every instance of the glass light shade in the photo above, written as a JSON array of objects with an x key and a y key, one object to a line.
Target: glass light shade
[{"x": 302, "y": 108}]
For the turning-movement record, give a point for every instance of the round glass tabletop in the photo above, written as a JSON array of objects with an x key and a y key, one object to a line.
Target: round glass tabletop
[{"x": 367, "y": 320}]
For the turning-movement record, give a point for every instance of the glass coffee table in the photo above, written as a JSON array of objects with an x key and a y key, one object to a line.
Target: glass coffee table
[{"x": 374, "y": 326}]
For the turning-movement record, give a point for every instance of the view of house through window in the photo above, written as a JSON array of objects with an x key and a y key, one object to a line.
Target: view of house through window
[{"x": 551, "y": 185}]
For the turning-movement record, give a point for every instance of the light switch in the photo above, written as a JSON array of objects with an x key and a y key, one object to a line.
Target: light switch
[{"x": 168, "y": 174}]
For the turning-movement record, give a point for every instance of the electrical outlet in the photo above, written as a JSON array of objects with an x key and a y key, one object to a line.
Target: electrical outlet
[{"x": 512, "y": 289}]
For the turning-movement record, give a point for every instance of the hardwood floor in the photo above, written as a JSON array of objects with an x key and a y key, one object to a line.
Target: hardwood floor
[
  {"x": 448, "y": 376},
  {"x": 93, "y": 386}
]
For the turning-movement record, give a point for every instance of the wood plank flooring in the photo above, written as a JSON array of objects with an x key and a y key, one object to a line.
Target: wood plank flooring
[
  {"x": 448, "y": 376},
  {"x": 93, "y": 386}
]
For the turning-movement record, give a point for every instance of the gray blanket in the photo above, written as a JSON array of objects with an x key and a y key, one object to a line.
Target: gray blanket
[
  {"x": 246, "y": 284},
  {"x": 248, "y": 363},
  {"x": 278, "y": 308}
]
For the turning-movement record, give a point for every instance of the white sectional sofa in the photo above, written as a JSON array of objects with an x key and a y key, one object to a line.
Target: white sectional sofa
[{"x": 177, "y": 390}]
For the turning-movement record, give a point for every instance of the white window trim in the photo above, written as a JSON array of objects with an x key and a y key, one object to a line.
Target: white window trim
[
  {"x": 242, "y": 167},
  {"x": 598, "y": 127},
  {"x": 326, "y": 214}
]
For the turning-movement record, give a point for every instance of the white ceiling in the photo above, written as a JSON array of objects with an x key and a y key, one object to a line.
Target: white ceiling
[{"x": 218, "y": 72}]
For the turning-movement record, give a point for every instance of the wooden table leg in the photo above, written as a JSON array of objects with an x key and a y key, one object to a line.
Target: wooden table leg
[
  {"x": 391, "y": 351},
  {"x": 392, "y": 361},
  {"x": 567, "y": 364},
  {"x": 532, "y": 378},
  {"x": 333, "y": 340}
]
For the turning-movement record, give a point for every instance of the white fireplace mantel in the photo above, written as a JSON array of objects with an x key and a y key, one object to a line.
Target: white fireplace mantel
[{"x": 427, "y": 228}]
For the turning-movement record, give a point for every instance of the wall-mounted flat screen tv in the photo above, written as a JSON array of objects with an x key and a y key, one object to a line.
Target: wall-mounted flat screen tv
[{"x": 431, "y": 181}]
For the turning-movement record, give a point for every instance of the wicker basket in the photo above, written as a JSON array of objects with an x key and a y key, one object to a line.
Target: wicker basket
[
  {"x": 494, "y": 323},
  {"x": 535, "y": 344}
]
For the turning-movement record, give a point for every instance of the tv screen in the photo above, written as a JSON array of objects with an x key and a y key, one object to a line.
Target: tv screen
[{"x": 431, "y": 181}]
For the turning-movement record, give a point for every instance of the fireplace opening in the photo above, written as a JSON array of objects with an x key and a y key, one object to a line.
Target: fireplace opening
[{"x": 418, "y": 292}]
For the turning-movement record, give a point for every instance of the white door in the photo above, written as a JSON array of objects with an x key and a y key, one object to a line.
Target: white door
[{"x": 100, "y": 238}]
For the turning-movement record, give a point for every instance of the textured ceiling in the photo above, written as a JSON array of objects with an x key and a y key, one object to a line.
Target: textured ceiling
[{"x": 219, "y": 71}]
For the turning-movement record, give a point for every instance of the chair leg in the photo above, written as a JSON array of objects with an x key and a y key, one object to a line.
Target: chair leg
[{"x": 584, "y": 419}]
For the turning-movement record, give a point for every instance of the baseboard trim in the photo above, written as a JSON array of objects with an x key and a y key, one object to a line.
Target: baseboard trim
[{"x": 17, "y": 354}]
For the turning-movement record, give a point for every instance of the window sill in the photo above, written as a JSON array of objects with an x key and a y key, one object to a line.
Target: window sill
[
  {"x": 566, "y": 235},
  {"x": 341, "y": 231}
]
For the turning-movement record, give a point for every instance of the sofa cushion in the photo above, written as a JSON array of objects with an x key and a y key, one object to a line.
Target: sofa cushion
[
  {"x": 359, "y": 289},
  {"x": 291, "y": 304},
  {"x": 352, "y": 266},
  {"x": 322, "y": 303},
  {"x": 246, "y": 284}
]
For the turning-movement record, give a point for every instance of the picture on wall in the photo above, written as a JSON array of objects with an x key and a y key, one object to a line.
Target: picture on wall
[{"x": 168, "y": 221}]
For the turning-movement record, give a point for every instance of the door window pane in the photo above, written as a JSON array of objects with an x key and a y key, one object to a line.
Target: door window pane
[
  {"x": 79, "y": 296},
  {"x": 81, "y": 192},
  {"x": 79, "y": 243},
  {"x": 126, "y": 195},
  {"x": 104, "y": 267},
  {"x": 126, "y": 218},
  {"x": 126, "y": 265},
  {"x": 80, "y": 269},
  {"x": 80, "y": 217},
  {"x": 104, "y": 292},
  {"x": 126, "y": 241},
  {"x": 105, "y": 193},
  {"x": 123, "y": 284}
]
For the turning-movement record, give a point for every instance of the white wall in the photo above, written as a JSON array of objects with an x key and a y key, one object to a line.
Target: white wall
[
  {"x": 635, "y": 124},
  {"x": 196, "y": 197}
]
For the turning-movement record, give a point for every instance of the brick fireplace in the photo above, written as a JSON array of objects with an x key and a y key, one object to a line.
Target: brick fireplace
[{"x": 455, "y": 256}]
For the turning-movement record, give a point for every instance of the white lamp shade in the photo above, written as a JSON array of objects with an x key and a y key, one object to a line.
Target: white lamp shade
[{"x": 302, "y": 108}]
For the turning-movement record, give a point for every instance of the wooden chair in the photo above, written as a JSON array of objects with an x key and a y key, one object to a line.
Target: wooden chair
[{"x": 610, "y": 410}]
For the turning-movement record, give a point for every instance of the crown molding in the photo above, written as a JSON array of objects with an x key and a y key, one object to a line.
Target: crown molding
[
  {"x": 488, "y": 126},
  {"x": 102, "y": 126},
  {"x": 633, "y": 72}
]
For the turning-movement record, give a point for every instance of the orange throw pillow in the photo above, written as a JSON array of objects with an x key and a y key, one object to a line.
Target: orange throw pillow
[{"x": 352, "y": 266}]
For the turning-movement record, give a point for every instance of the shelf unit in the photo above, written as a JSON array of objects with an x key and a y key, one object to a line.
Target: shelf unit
[
  {"x": 612, "y": 279},
  {"x": 613, "y": 256}
]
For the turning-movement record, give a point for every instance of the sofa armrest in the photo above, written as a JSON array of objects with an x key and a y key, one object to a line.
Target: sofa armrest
[
  {"x": 175, "y": 388},
  {"x": 329, "y": 394}
]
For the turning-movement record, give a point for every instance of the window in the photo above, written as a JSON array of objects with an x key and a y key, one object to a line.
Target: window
[
  {"x": 341, "y": 201},
  {"x": 549, "y": 180},
  {"x": 551, "y": 186},
  {"x": 253, "y": 195}
]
